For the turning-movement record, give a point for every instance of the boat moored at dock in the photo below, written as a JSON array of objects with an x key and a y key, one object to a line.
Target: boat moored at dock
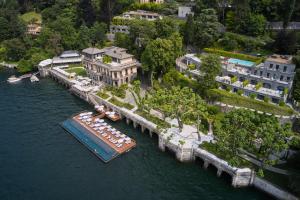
[{"x": 13, "y": 79}]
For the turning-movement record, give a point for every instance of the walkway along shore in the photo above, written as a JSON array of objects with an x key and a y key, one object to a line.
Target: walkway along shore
[{"x": 187, "y": 152}]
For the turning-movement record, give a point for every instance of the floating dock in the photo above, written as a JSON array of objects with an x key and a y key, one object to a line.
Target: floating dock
[{"x": 103, "y": 140}]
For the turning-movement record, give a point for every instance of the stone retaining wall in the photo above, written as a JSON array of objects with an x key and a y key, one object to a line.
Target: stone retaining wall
[{"x": 273, "y": 190}]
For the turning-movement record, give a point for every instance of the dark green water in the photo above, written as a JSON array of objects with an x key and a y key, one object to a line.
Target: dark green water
[{"x": 39, "y": 160}]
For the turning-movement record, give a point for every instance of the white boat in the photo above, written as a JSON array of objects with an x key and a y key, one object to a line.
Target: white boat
[
  {"x": 33, "y": 78},
  {"x": 13, "y": 79}
]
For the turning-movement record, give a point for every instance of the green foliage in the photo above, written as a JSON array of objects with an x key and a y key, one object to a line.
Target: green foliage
[
  {"x": 266, "y": 99},
  {"x": 32, "y": 17},
  {"x": 207, "y": 27},
  {"x": 253, "y": 95},
  {"x": 245, "y": 83},
  {"x": 160, "y": 55},
  {"x": 179, "y": 103},
  {"x": 211, "y": 67},
  {"x": 121, "y": 104},
  {"x": 260, "y": 134},
  {"x": 234, "y": 99},
  {"x": 233, "y": 79},
  {"x": 160, "y": 123},
  {"x": 146, "y": 6},
  {"x": 233, "y": 55},
  {"x": 192, "y": 66},
  {"x": 240, "y": 92},
  {"x": 173, "y": 77},
  {"x": 258, "y": 86},
  {"x": 281, "y": 103},
  {"x": 122, "y": 40},
  {"x": 233, "y": 41},
  {"x": 103, "y": 95},
  {"x": 295, "y": 142},
  {"x": 80, "y": 71},
  {"x": 107, "y": 59}
]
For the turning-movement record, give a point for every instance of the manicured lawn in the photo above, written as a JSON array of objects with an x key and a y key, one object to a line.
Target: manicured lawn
[
  {"x": 103, "y": 95},
  {"x": 78, "y": 70},
  {"x": 237, "y": 100},
  {"x": 27, "y": 17},
  {"x": 155, "y": 120},
  {"x": 121, "y": 104}
]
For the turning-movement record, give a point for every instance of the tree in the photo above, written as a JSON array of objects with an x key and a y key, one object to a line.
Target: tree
[
  {"x": 135, "y": 91},
  {"x": 15, "y": 49},
  {"x": 160, "y": 54},
  {"x": 207, "y": 27},
  {"x": 123, "y": 40},
  {"x": 98, "y": 33},
  {"x": 188, "y": 31},
  {"x": 165, "y": 27},
  {"x": 210, "y": 67},
  {"x": 85, "y": 13},
  {"x": 179, "y": 103}
]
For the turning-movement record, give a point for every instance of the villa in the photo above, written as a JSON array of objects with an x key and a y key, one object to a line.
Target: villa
[
  {"x": 110, "y": 65},
  {"x": 152, "y": 1},
  {"x": 272, "y": 79},
  {"x": 34, "y": 28},
  {"x": 130, "y": 15}
]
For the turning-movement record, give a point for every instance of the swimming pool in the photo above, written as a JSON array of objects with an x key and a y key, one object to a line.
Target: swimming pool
[
  {"x": 241, "y": 62},
  {"x": 96, "y": 145}
]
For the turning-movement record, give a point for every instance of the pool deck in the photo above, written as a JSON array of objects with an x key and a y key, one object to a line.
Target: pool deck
[{"x": 124, "y": 148}]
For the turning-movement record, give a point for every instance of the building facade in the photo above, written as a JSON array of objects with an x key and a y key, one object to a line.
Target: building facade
[
  {"x": 34, "y": 28},
  {"x": 184, "y": 11},
  {"x": 121, "y": 67},
  {"x": 272, "y": 79},
  {"x": 151, "y": 1}
]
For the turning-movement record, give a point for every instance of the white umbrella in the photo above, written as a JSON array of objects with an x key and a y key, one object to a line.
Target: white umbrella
[
  {"x": 107, "y": 113},
  {"x": 104, "y": 124},
  {"x": 89, "y": 119},
  {"x": 120, "y": 140},
  {"x": 127, "y": 139},
  {"x": 85, "y": 117},
  {"x": 89, "y": 113},
  {"x": 97, "y": 106},
  {"x": 101, "y": 120},
  {"x": 102, "y": 128}
]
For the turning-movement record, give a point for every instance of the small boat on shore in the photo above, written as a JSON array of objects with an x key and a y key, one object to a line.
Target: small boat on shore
[
  {"x": 33, "y": 78},
  {"x": 101, "y": 110},
  {"x": 13, "y": 79}
]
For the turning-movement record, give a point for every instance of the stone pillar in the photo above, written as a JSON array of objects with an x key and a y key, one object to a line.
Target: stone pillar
[
  {"x": 161, "y": 143},
  {"x": 134, "y": 124},
  {"x": 206, "y": 164},
  {"x": 150, "y": 133},
  {"x": 219, "y": 172},
  {"x": 127, "y": 120},
  {"x": 143, "y": 129}
]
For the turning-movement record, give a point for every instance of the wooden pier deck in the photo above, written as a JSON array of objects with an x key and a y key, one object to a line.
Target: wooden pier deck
[{"x": 108, "y": 137}]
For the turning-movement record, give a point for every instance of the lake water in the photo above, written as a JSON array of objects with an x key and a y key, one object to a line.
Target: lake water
[{"x": 40, "y": 160}]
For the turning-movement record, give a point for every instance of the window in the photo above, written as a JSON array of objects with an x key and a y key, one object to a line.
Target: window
[
  {"x": 268, "y": 75},
  {"x": 284, "y": 68},
  {"x": 281, "y": 78},
  {"x": 271, "y": 66},
  {"x": 277, "y": 67},
  {"x": 274, "y": 76},
  {"x": 261, "y": 73},
  {"x": 116, "y": 76},
  {"x": 255, "y": 72},
  {"x": 288, "y": 78}
]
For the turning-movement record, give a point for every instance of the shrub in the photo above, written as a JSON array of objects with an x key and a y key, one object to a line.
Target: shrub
[
  {"x": 103, "y": 95},
  {"x": 258, "y": 86},
  {"x": 233, "y": 79},
  {"x": 107, "y": 59},
  {"x": 240, "y": 92},
  {"x": 245, "y": 83},
  {"x": 121, "y": 104},
  {"x": 219, "y": 52},
  {"x": 253, "y": 96},
  {"x": 266, "y": 99},
  {"x": 192, "y": 66},
  {"x": 228, "y": 88},
  {"x": 281, "y": 103}
]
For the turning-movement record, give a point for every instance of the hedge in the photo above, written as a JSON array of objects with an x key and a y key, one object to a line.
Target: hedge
[
  {"x": 219, "y": 52},
  {"x": 237, "y": 100}
]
